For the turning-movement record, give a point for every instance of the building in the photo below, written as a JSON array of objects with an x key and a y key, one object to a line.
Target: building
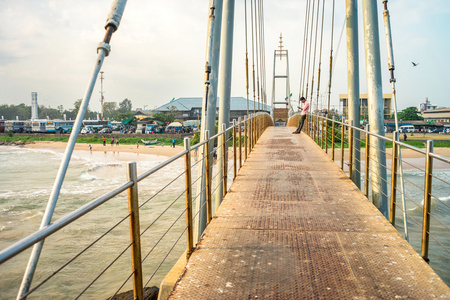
[
  {"x": 437, "y": 116},
  {"x": 425, "y": 106},
  {"x": 185, "y": 109},
  {"x": 364, "y": 112}
]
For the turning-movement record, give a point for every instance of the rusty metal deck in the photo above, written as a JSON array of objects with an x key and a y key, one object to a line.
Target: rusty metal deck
[{"x": 294, "y": 226}]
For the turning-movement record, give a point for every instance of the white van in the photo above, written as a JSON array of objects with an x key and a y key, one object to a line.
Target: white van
[{"x": 407, "y": 128}]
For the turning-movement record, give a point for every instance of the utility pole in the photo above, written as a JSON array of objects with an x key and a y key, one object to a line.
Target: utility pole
[
  {"x": 353, "y": 85},
  {"x": 101, "y": 94}
]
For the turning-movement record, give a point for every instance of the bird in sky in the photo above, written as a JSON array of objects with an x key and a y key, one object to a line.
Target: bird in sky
[{"x": 415, "y": 64}]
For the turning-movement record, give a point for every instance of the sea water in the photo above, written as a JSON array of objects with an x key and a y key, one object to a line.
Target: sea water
[{"x": 26, "y": 180}]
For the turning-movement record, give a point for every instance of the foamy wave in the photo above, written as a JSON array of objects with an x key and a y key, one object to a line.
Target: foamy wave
[
  {"x": 88, "y": 177},
  {"x": 445, "y": 199},
  {"x": 25, "y": 194},
  {"x": 104, "y": 165}
]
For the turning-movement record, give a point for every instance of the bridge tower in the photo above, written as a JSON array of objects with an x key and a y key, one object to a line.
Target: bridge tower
[{"x": 281, "y": 109}]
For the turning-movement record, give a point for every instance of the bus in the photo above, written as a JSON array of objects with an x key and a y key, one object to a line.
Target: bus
[
  {"x": 38, "y": 126},
  {"x": 60, "y": 126},
  {"x": 15, "y": 126},
  {"x": 28, "y": 126},
  {"x": 407, "y": 128},
  {"x": 97, "y": 124}
]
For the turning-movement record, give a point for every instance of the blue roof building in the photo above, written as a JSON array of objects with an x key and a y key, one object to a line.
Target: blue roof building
[{"x": 191, "y": 108}]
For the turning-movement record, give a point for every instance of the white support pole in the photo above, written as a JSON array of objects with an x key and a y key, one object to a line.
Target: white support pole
[
  {"x": 225, "y": 83},
  {"x": 375, "y": 104},
  {"x": 353, "y": 86}
]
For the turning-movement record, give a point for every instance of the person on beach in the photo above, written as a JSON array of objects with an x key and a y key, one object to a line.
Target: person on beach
[
  {"x": 137, "y": 145},
  {"x": 302, "y": 114},
  {"x": 104, "y": 141},
  {"x": 112, "y": 141},
  {"x": 173, "y": 143},
  {"x": 117, "y": 141},
  {"x": 90, "y": 148},
  {"x": 404, "y": 136}
]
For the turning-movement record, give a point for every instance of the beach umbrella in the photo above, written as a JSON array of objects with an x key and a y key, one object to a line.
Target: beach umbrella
[
  {"x": 127, "y": 121},
  {"x": 175, "y": 124}
]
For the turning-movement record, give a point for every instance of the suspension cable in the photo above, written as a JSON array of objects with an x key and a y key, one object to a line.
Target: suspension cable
[
  {"x": 305, "y": 40},
  {"x": 390, "y": 53},
  {"x": 256, "y": 52},
  {"x": 309, "y": 55},
  {"x": 246, "y": 53},
  {"x": 331, "y": 58},
  {"x": 253, "y": 58},
  {"x": 314, "y": 57},
  {"x": 320, "y": 52}
]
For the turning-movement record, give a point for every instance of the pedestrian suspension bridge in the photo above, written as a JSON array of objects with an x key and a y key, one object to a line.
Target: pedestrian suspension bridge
[{"x": 273, "y": 215}]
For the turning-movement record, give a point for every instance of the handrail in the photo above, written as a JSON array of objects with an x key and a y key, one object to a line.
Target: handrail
[
  {"x": 253, "y": 132},
  {"x": 43, "y": 233},
  {"x": 313, "y": 131}
]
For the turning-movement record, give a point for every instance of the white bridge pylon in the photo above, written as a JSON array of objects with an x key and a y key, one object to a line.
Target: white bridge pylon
[{"x": 281, "y": 108}]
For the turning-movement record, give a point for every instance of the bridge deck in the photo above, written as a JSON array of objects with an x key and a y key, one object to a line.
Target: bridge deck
[{"x": 294, "y": 226}]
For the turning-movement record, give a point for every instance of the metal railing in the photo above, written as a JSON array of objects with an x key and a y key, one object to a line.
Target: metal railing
[
  {"x": 426, "y": 189},
  {"x": 150, "y": 245}
]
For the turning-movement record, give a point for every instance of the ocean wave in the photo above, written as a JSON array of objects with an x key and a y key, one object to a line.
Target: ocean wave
[
  {"x": 26, "y": 194},
  {"x": 105, "y": 165},
  {"x": 445, "y": 199},
  {"x": 88, "y": 177}
]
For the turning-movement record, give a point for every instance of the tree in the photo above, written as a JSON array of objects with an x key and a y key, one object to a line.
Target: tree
[
  {"x": 163, "y": 117},
  {"x": 49, "y": 112},
  {"x": 125, "y": 106},
  {"x": 109, "y": 110},
  {"x": 409, "y": 113},
  {"x": 123, "y": 116}
]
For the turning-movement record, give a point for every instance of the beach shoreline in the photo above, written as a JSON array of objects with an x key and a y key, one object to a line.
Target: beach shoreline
[{"x": 167, "y": 151}]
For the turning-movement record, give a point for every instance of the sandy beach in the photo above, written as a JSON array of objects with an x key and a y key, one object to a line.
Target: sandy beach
[
  {"x": 156, "y": 150},
  {"x": 412, "y": 159},
  {"x": 170, "y": 151}
]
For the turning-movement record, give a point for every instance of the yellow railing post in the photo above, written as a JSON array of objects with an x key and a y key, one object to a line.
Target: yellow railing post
[
  {"x": 208, "y": 177},
  {"x": 234, "y": 151},
  {"x": 393, "y": 178},
  {"x": 135, "y": 233},
  {"x": 245, "y": 136},
  {"x": 188, "y": 192},
  {"x": 350, "y": 151},
  {"x": 323, "y": 133},
  {"x": 240, "y": 142},
  {"x": 326, "y": 135},
  {"x": 342, "y": 144},
  {"x": 366, "y": 172},
  {"x": 224, "y": 160},
  {"x": 250, "y": 133},
  {"x": 332, "y": 139},
  {"x": 427, "y": 201}
]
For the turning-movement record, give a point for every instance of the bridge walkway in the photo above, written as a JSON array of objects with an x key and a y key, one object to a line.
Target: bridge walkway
[{"x": 293, "y": 226}]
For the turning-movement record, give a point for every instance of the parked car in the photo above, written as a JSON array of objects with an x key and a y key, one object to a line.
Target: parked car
[
  {"x": 106, "y": 130},
  {"x": 86, "y": 129}
]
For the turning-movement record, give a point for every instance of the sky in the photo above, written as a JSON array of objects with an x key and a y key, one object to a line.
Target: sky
[{"x": 158, "y": 52}]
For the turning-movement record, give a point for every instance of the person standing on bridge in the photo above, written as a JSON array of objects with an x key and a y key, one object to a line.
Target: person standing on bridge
[{"x": 302, "y": 114}]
